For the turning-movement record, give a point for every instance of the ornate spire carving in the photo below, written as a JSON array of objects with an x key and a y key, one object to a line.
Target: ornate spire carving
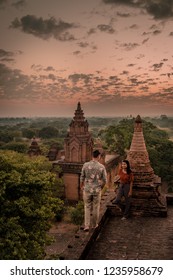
[
  {"x": 78, "y": 143},
  {"x": 138, "y": 156},
  {"x": 147, "y": 198},
  {"x": 78, "y": 126}
]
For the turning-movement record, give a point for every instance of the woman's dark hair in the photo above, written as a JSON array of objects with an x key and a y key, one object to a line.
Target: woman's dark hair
[{"x": 128, "y": 166}]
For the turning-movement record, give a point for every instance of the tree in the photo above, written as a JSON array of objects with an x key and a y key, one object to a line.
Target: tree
[
  {"x": 28, "y": 133},
  {"x": 118, "y": 137},
  {"x": 6, "y": 136},
  {"x": 19, "y": 147},
  {"x": 48, "y": 132},
  {"x": 27, "y": 205}
]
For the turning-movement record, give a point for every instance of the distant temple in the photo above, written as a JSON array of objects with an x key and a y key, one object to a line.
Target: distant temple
[
  {"x": 53, "y": 152},
  {"x": 34, "y": 149},
  {"x": 147, "y": 198},
  {"x": 78, "y": 143},
  {"x": 78, "y": 147}
]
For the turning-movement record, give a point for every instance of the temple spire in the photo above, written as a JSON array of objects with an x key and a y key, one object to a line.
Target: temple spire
[
  {"x": 138, "y": 142},
  {"x": 138, "y": 156},
  {"x": 147, "y": 198},
  {"x": 78, "y": 143},
  {"x": 79, "y": 124}
]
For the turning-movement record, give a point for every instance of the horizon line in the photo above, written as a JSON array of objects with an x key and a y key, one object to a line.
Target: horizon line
[{"x": 86, "y": 116}]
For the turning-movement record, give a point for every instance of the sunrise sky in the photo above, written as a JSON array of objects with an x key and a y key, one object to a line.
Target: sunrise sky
[{"x": 114, "y": 56}]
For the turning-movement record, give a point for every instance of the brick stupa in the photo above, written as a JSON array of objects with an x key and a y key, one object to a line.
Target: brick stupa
[
  {"x": 147, "y": 197},
  {"x": 34, "y": 149}
]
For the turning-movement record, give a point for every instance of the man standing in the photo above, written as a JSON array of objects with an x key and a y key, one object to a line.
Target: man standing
[{"x": 93, "y": 178}]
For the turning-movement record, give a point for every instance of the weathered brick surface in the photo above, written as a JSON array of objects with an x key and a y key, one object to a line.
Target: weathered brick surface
[
  {"x": 83, "y": 241},
  {"x": 138, "y": 238}
]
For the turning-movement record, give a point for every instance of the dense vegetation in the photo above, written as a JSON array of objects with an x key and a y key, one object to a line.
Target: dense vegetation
[
  {"x": 27, "y": 205},
  {"x": 31, "y": 196}
]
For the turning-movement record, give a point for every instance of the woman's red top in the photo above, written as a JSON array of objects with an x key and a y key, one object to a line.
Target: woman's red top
[{"x": 125, "y": 178}]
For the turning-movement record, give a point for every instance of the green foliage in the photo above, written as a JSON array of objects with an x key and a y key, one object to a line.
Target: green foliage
[
  {"x": 27, "y": 205},
  {"x": 118, "y": 138},
  {"x": 46, "y": 144},
  {"x": 19, "y": 147},
  {"x": 48, "y": 132},
  {"x": 77, "y": 213},
  {"x": 60, "y": 210},
  {"x": 5, "y": 136},
  {"x": 28, "y": 133}
]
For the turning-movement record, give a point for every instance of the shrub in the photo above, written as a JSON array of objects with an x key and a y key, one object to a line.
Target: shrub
[{"x": 77, "y": 213}]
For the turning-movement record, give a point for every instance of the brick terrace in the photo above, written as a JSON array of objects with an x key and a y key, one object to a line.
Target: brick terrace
[{"x": 138, "y": 238}]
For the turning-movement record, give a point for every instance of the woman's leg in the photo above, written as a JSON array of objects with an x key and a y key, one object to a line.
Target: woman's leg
[
  {"x": 127, "y": 200},
  {"x": 118, "y": 198}
]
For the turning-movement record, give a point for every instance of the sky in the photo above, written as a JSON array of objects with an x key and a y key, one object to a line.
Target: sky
[{"x": 113, "y": 56}]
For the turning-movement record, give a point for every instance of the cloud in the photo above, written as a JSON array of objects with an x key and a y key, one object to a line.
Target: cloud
[
  {"x": 83, "y": 44},
  {"x": 122, "y": 2},
  {"x": 40, "y": 68},
  {"x": 5, "y": 53},
  {"x": 92, "y": 31},
  {"x": 49, "y": 68},
  {"x": 106, "y": 28},
  {"x": 80, "y": 77},
  {"x": 134, "y": 26},
  {"x": 44, "y": 28},
  {"x": 6, "y": 56},
  {"x": 77, "y": 52},
  {"x": 12, "y": 82},
  {"x": 157, "y": 66},
  {"x": 124, "y": 72},
  {"x": 129, "y": 46},
  {"x": 19, "y": 4},
  {"x": 158, "y": 8},
  {"x": 46, "y": 86},
  {"x": 2, "y": 4},
  {"x": 125, "y": 15},
  {"x": 37, "y": 67},
  {"x": 145, "y": 40},
  {"x": 14, "y": 85}
]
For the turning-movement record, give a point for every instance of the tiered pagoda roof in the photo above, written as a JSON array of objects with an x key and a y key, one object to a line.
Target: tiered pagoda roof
[
  {"x": 79, "y": 125},
  {"x": 147, "y": 198},
  {"x": 78, "y": 144},
  {"x": 139, "y": 158}
]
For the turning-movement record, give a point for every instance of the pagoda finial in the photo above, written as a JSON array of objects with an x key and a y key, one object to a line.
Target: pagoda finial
[
  {"x": 78, "y": 106},
  {"x": 138, "y": 119}
]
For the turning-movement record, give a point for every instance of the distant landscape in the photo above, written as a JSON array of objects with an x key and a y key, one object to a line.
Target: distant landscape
[
  {"x": 114, "y": 134},
  {"x": 30, "y": 191},
  {"x": 20, "y": 125}
]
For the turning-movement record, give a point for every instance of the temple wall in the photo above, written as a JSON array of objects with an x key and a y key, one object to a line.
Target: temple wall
[{"x": 71, "y": 182}]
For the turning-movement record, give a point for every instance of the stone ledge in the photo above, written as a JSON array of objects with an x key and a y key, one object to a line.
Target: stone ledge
[{"x": 80, "y": 244}]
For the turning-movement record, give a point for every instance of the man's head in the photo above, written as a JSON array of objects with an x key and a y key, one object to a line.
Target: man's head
[{"x": 96, "y": 154}]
